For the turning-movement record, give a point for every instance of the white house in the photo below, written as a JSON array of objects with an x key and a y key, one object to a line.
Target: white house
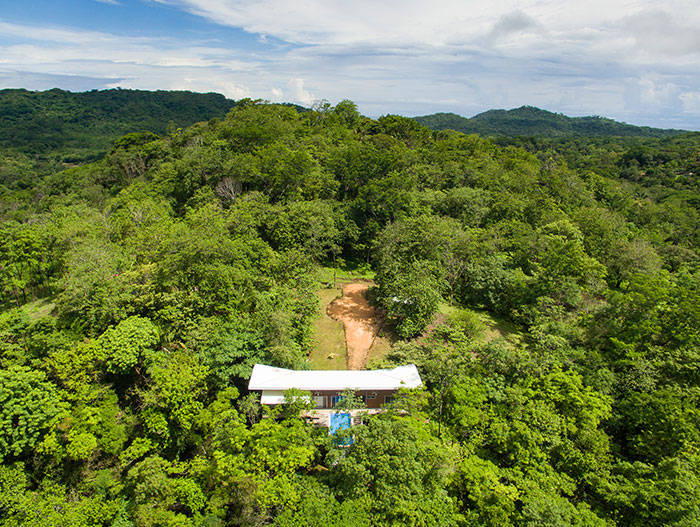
[{"x": 376, "y": 387}]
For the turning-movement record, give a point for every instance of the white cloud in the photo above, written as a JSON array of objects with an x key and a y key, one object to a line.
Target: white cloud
[
  {"x": 297, "y": 92},
  {"x": 657, "y": 94},
  {"x": 53, "y": 34},
  {"x": 513, "y": 24},
  {"x": 619, "y": 58},
  {"x": 691, "y": 102},
  {"x": 276, "y": 95},
  {"x": 440, "y": 22},
  {"x": 229, "y": 89},
  {"x": 662, "y": 32}
]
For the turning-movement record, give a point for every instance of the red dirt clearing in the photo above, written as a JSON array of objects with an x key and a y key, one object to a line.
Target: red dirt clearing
[{"x": 361, "y": 322}]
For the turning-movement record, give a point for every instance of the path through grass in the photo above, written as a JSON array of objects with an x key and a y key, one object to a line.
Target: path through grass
[{"x": 330, "y": 349}]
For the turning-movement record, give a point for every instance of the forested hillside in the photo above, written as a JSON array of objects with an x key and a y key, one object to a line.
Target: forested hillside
[
  {"x": 139, "y": 290},
  {"x": 531, "y": 121},
  {"x": 43, "y": 132},
  {"x": 40, "y": 122}
]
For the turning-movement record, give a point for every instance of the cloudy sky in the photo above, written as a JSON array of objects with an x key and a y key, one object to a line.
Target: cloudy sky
[{"x": 635, "y": 61}]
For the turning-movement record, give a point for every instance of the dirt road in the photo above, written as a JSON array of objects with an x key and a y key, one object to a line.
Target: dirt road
[{"x": 361, "y": 322}]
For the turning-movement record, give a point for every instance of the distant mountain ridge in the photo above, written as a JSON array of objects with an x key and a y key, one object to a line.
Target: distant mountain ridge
[
  {"x": 38, "y": 122},
  {"x": 529, "y": 120}
]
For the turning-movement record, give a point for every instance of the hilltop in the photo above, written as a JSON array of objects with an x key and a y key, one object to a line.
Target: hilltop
[
  {"x": 530, "y": 121},
  {"x": 44, "y": 132},
  {"x": 81, "y": 125}
]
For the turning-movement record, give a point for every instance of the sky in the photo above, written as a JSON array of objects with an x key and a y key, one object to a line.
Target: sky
[{"x": 633, "y": 61}]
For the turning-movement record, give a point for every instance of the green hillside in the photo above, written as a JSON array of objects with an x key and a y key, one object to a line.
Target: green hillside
[
  {"x": 44, "y": 132},
  {"x": 531, "y": 121},
  {"x": 39, "y": 122},
  {"x": 547, "y": 294}
]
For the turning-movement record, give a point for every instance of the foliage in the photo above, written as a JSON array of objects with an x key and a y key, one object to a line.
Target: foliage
[
  {"x": 410, "y": 298},
  {"x": 349, "y": 400},
  {"x": 129, "y": 343},
  {"x": 401, "y": 470},
  {"x": 30, "y": 406},
  {"x": 138, "y": 291},
  {"x": 528, "y": 120},
  {"x": 38, "y": 122}
]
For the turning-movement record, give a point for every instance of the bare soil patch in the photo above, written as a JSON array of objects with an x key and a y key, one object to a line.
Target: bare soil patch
[{"x": 361, "y": 321}]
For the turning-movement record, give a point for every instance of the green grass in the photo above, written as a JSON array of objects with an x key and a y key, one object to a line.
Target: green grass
[
  {"x": 382, "y": 344},
  {"x": 446, "y": 309},
  {"x": 487, "y": 326},
  {"x": 345, "y": 274},
  {"x": 499, "y": 328},
  {"x": 39, "y": 308},
  {"x": 328, "y": 351}
]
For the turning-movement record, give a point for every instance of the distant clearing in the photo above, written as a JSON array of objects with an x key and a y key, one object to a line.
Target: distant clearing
[
  {"x": 383, "y": 342},
  {"x": 497, "y": 328},
  {"x": 345, "y": 275},
  {"x": 39, "y": 308}
]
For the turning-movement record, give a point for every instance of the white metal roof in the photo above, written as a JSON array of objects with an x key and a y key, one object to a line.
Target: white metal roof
[{"x": 269, "y": 378}]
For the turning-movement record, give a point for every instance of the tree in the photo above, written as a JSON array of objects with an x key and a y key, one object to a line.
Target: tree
[
  {"x": 346, "y": 110},
  {"x": 164, "y": 492},
  {"x": 178, "y": 384},
  {"x": 310, "y": 226},
  {"x": 95, "y": 291},
  {"x": 559, "y": 259},
  {"x": 25, "y": 259},
  {"x": 51, "y": 504},
  {"x": 231, "y": 349},
  {"x": 129, "y": 344},
  {"x": 410, "y": 297},
  {"x": 319, "y": 508},
  {"x": 400, "y": 469},
  {"x": 30, "y": 406},
  {"x": 260, "y": 462},
  {"x": 349, "y": 400},
  {"x": 228, "y": 189}
]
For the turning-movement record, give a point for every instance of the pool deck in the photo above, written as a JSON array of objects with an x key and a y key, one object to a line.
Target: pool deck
[{"x": 322, "y": 416}]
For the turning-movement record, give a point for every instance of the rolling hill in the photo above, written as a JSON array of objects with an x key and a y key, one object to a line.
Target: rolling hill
[
  {"x": 529, "y": 121},
  {"x": 82, "y": 125}
]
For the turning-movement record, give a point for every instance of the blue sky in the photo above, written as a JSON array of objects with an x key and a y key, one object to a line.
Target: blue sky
[{"x": 633, "y": 60}]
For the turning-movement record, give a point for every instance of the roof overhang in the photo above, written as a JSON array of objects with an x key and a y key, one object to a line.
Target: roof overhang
[
  {"x": 277, "y": 397},
  {"x": 280, "y": 379}
]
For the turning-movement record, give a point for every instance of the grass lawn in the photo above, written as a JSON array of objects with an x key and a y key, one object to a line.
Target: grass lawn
[
  {"x": 344, "y": 275},
  {"x": 328, "y": 351},
  {"x": 382, "y": 344}
]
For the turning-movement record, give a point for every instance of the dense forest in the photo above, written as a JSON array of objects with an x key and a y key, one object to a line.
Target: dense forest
[
  {"x": 138, "y": 291},
  {"x": 40, "y": 122},
  {"x": 44, "y": 132},
  {"x": 531, "y": 121}
]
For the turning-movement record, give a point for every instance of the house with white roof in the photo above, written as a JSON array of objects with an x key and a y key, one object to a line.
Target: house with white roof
[{"x": 375, "y": 387}]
